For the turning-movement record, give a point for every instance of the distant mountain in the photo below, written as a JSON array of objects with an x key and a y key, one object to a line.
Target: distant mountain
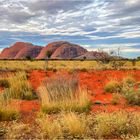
[{"x": 59, "y": 50}]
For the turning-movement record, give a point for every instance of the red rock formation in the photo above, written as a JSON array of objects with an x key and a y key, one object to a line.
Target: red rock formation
[
  {"x": 50, "y": 47},
  {"x": 15, "y": 51},
  {"x": 10, "y": 53},
  {"x": 68, "y": 51},
  {"x": 31, "y": 51},
  {"x": 94, "y": 55},
  {"x": 59, "y": 50}
]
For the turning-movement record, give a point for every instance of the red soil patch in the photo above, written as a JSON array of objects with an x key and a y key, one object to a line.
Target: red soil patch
[
  {"x": 29, "y": 110},
  {"x": 95, "y": 82},
  {"x": 1, "y": 89},
  {"x": 36, "y": 77}
]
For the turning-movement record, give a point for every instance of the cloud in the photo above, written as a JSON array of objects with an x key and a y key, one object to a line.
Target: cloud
[{"x": 55, "y": 6}]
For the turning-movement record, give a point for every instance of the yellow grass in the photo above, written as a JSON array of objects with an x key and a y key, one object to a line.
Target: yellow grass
[{"x": 31, "y": 65}]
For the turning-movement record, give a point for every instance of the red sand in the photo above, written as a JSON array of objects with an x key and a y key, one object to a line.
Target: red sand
[
  {"x": 29, "y": 110},
  {"x": 1, "y": 89},
  {"x": 37, "y": 76},
  {"x": 95, "y": 82}
]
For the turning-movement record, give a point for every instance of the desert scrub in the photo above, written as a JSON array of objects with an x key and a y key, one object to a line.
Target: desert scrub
[
  {"x": 17, "y": 131},
  {"x": 50, "y": 128},
  {"x": 8, "y": 112},
  {"x": 116, "y": 98},
  {"x": 129, "y": 81},
  {"x": 132, "y": 96},
  {"x": 63, "y": 94},
  {"x": 130, "y": 92},
  {"x": 112, "y": 87},
  {"x": 118, "y": 124},
  {"x": 74, "y": 125},
  {"x": 63, "y": 126},
  {"x": 19, "y": 88}
]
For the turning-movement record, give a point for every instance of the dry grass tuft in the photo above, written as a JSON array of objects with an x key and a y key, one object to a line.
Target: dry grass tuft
[
  {"x": 63, "y": 94},
  {"x": 113, "y": 87},
  {"x": 19, "y": 88}
]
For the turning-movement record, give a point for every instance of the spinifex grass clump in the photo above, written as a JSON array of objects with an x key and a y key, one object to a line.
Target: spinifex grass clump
[
  {"x": 19, "y": 88},
  {"x": 8, "y": 112},
  {"x": 64, "y": 126},
  {"x": 115, "y": 125},
  {"x": 132, "y": 95},
  {"x": 113, "y": 86},
  {"x": 119, "y": 124},
  {"x": 128, "y": 87},
  {"x": 63, "y": 93}
]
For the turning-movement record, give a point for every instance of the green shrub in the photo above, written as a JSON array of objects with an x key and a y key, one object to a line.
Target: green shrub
[
  {"x": 129, "y": 81},
  {"x": 113, "y": 87},
  {"x": 132, "y": 96}
]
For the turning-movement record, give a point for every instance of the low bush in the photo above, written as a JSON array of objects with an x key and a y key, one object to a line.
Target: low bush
[
  {"x": 116, "y": 98},
  {"x": 132, "y": 96},
  {"x": 129, "y": 81},
  {"x": 130, "y": 92},
  {"x": 113, "y": 87}
]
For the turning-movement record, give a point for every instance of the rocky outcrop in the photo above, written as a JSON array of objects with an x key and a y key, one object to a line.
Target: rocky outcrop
[
  {"x": 52, "y": 47},
  {"x": 94, "y": 55},
  {"x": 68, "y": 51},
  {"x": 59, "y": 50},
  {"x": 31, "y": 52},
  {"x": 20, "y": 50}
]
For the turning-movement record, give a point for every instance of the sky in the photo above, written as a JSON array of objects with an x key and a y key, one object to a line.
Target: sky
[{"x": 93, "y": 24}]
